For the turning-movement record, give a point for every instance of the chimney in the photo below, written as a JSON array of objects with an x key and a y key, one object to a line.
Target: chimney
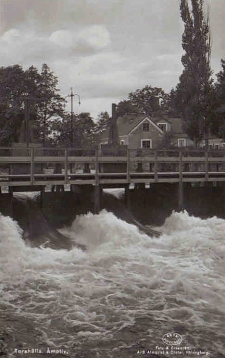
[
  {"x": 113, "y": 130},
  {"x": 114, "y": 112}
]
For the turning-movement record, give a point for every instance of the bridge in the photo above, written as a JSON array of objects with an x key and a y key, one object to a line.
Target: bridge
[
  {"x": 32, "y": 167},
  {"x": 38, "y": 166}
]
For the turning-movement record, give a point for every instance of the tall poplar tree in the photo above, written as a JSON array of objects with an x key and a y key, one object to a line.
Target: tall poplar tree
[
  {"x": 194, "y": 91},
  {"x": 218, "y": 125},
  {"x": 220, "y": 85}
]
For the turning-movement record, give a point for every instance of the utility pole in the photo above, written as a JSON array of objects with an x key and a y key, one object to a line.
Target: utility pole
[
  {"x": 27, "y": 120},
  {"x": 71, "y": 95}
]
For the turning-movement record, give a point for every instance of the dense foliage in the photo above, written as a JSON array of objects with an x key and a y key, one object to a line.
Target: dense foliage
[
  {"x": 37, "y": 91},
  {"x": 217, "y": 124},
  {"x": 148, "y": 100},
  {"x": 194, "y": 93}
]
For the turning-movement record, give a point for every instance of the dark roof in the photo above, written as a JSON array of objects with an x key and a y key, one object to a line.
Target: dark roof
[
  {"x": 161, "y": 119},
  {"x": 128, "y": 122},
  {"x": 177, "y": 124}
]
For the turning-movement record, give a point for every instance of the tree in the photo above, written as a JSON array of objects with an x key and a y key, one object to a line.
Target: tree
[
  {"x": 102, "y": 123},
  {"x": 12, "y": 91},
  {"x": 83, "y": 130},
  {"x": 39, "y": 92},
  {"x": 173, "y": 105},
  {"x": 220, "y": 84},
  {"x": 50, "y": 103},
  {"x": 194, "y": 91},
  {"x": 148, "y": 100},
  {"x": 218, "y": 125},
  {"x": 126, "y": 107}
]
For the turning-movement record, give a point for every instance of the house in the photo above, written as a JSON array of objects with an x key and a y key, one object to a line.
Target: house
[
  {"x": 140, "y": 131},
  {"x": 213, "y": 143}
]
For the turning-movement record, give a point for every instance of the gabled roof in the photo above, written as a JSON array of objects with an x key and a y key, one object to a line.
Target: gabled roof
[
  {"x": 128, "y": 123},
  {"x": 160, "y": 120},
  {"x": 177, "y": 124},
  {"x": 150, "y": 121}
]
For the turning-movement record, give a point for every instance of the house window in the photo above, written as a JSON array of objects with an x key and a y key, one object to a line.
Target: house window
[
  {"x": 146, "y": 143},
  {"x": 162, "y": 126},
  {"x": 146, "y": 127},
  {"x": 181, "y": 143},
  {"x": 103, "y": 143}
]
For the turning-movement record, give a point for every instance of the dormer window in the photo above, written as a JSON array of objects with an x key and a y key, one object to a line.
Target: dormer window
[
  {"x": 145, "y": 127},
  {"x": 163, "y": 127}
]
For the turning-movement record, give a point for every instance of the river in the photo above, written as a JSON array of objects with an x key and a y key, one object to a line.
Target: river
[{"x": 127, "y": 296}]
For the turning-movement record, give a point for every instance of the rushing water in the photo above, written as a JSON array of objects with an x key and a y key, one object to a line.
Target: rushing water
[{"x": 124, "y": 293}]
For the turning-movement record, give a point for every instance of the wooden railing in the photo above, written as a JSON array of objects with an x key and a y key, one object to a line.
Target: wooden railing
[{"x": 59, "y": 166}]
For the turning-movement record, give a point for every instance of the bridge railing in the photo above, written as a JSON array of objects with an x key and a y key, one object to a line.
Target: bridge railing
[
  {"x": 10, "y": 151},
  {"x": 69, "y": 165},
  {"x": 62, "y": 165}
]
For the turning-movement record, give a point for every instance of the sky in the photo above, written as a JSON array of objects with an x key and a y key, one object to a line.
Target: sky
[{"x": 103, "y": 49}]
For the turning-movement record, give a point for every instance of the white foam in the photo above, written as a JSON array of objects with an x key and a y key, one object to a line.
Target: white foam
[{"x": 177, "y": 279}]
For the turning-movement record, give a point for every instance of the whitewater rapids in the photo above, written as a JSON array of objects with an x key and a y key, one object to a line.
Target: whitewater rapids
[{"x": 126, "y": 291}]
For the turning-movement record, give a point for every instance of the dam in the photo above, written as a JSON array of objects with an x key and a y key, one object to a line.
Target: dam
[{"x": 124, "y": 286}]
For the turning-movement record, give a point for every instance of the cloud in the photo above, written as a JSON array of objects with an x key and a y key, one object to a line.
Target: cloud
[
  {"x": 63, "y": 38},
  {"x": 96, "y": 36},
  {"x": 88, "y": 39},
  {"x": 101, "y": 76},
  {"x": 10, "y": 36},
  {"x": 23, "y": 47},
  {"x": 27, "y": 45},
  {"x": 109, "y": 77},
  {"x": 104, "y": 49}
]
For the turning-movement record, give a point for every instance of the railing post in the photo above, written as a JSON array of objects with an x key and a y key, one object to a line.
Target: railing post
[
  {"x": 180, "y": 164},
  {"x": 128, "y": 166},
  {"x": 97, "y": 192},
  {"x": 206, "y": 165},
  {"x": 180, "y": 184},
  {"x": 66, "y": 166},
  {"x": 31, "y": 165},
  {"x": 10, "y": 201},
  {"x": 156, "y": 166},
  {"x": 96, "y": 168}
]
